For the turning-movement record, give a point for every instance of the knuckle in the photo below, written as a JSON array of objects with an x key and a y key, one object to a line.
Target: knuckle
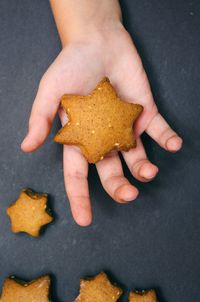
[{"x": 76, "y": 174}]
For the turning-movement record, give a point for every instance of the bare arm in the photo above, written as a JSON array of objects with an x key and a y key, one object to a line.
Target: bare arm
[
  {"x": 80, "y": 17},
  {"x": 95, "y": 44}
]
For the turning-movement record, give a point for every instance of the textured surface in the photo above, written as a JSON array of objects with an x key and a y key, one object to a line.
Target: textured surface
[
  {"x": 99, "y": 123},
  {"x": 35, "y": 291},
  {"x": 153, "y": 242},
  {"x": 98, "y": 289},
  {"x": 29, "y": 213},
  {"x": 149, "y": 296}
]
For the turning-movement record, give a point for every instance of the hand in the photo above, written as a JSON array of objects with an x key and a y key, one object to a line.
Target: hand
[{"x": 78, "y": 68}]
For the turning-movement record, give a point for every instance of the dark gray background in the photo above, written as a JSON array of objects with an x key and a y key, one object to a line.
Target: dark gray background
[{"x": 153, "y": 242}]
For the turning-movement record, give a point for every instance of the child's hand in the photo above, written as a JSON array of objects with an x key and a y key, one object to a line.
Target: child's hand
[{"x": 78, "y": 68}]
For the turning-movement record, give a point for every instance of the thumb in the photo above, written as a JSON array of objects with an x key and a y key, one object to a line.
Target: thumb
[{"x": 42, "y": 115}]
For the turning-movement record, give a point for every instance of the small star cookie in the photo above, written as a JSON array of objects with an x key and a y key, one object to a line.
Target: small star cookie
[
  {"x": 98, "y": 289},
  {"x": 143, "y": 296},
  {"x": 29, "y": 213},
  {"x": 99, "y": 122},
  {"x": 20, "y": 291}
]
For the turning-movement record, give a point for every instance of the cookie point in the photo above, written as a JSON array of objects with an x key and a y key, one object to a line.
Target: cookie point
[
  {"x": 103, "y": 81},
  {"x": 140, "y": 108},
  {"x": 98, "y": 123}
]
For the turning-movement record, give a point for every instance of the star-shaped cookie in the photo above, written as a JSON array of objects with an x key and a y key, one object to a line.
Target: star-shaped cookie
[
  {"x": 98, "y": 289},
  {"x": 99, "y": 122},
  {"x": 20, "y": 291},
  {"x": 143, "y": 296},
  {"x": 29, "y": 213}
]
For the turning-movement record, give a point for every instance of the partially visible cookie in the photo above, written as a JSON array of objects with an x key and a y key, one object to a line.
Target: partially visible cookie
[
  {"x": 29, "y": 213},
  {"x": 99, "y": 122},
  {"x": 143, "y": 296},
  {"x": 15, "y": 290},
  {"x": 98, "y": 289}
]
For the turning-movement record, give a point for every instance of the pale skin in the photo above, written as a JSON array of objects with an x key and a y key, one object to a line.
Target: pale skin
[{"x": 95, "y": 44}]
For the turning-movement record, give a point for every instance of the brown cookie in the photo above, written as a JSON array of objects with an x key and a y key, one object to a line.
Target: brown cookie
[
  {"x": 29, "y": 213},
  {"x": 20, "y": 291},
  {"x": 99, "y": 122},
  {"x": 143, "y": 296},
  {"x": 98, "y": 289}
]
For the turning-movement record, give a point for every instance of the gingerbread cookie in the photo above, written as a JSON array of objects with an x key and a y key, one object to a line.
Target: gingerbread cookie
[
  {"x": 98, "y": 289},
  {"x": 29, "y": 213},
  {"x": 143, "y": 296},
  {"x": 19, "y": 291},
  {"x": 99, "y": 122}
]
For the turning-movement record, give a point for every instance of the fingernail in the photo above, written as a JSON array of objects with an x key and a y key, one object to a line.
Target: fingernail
[
  {"x": 174, "y": 143},
  {"x": 151, "y": 175},
  {"x": 130, "y": 196},
  {"x": 24, "y": 141},
  {"x": 84, "y": 221},
  {"x": 148, "y": 172}
]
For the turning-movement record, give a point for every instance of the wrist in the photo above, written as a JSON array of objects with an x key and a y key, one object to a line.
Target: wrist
[
  {"x": 92, "y": 31},
  {"x": 79, "y": 19}
]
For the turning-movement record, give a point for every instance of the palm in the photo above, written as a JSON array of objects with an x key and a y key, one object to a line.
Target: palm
[{"x": 77, "y": 70}]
